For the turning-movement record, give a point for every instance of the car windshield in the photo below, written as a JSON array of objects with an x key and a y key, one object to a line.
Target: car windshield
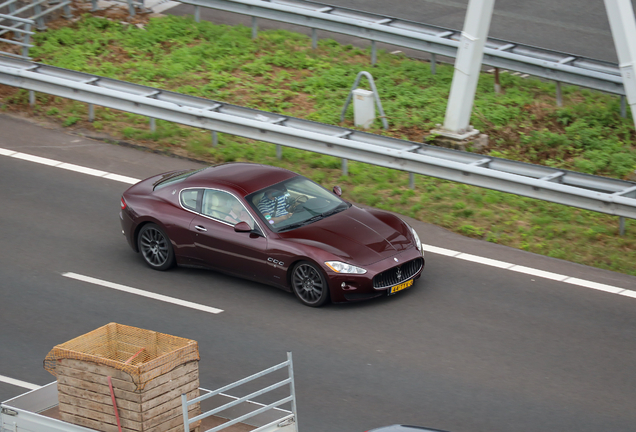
[{"x": 294, "y": 203}]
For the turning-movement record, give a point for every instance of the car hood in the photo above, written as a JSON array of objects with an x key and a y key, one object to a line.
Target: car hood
[{"x": 355, "y": 235}]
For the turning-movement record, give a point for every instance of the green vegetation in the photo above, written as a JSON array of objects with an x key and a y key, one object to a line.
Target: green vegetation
[{"x": 279, "y": 72}]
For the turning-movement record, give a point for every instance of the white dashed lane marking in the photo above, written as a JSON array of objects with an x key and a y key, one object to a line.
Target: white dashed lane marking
[
  {"x": 68, "y": 166},
  {"x": 427, "y": 248},
  {"x": 142, "y": 293},
  {"x": 18, "y": 383}
]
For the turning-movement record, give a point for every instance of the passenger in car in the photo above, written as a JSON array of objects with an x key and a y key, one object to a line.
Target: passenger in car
[{"x": 238, "y": 214}]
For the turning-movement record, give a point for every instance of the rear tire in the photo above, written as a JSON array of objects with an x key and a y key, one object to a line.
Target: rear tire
[
  {"x": 155, "y": 247},
  {"x": 309, "y": 284}
]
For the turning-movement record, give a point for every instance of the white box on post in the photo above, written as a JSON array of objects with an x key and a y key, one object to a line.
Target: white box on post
[{"x": 363, "y": 108}]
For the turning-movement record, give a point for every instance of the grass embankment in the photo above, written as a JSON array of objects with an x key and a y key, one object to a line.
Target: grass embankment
[{"x": 279, "y": 72}]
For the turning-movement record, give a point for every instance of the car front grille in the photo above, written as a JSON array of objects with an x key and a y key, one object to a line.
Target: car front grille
[{"x": 390, "y": 277}]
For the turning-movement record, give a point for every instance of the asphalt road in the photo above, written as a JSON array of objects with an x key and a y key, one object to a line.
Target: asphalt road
[
  {"x": 470, "y": 348},
  {"x": 578, "y": 27}
]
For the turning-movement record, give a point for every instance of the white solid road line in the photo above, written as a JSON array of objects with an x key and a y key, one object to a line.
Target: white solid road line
[
  {"x": 18, "y": 383},
  {"x": 142, "y": 293},
  {"x": 529, "y": 271},
  {"x": 427, "y": 248}
]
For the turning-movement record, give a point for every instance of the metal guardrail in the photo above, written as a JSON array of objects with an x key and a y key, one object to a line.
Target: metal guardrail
[
  {"x": 288, "y": 420},
  {"x": 600, "y": 194},
  {"x": 23, "y": 39},
  {"x": 539, "y": 62},
  {"x": 132, "y": 6}
]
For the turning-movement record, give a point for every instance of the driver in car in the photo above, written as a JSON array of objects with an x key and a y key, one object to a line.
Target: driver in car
[{"x": 274, "y": 206}]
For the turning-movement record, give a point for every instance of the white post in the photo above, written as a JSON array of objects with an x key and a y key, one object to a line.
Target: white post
[
  {"x": 623, "y": 25},
  {"x": 467, "y": 65}
]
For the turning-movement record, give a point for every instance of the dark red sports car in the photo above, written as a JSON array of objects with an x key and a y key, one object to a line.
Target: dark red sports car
[{"x": 274, "y": 226}]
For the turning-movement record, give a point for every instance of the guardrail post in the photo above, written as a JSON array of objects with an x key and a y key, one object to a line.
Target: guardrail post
[
  {"x": 153, "y": 125},
  {"x": 40, "y": 18},
  {"x": 559, "y": 94},
  {"x": 621, "y": 225},
  {"x": 411, "y": 180},
  {"x": 26, "y": 38},
  {"x": 254, "y": 27},
  {"x": 91, "y": 112},
  {"x": 67, "y": 11},
  {"x": 215, "y": 139},
  {"x": 374, "y": 54},
  {"x": 31, "y": 98},
  {"x": 314, "y": 38},
  {"x": 131, "y": 8},
  {"x": 433, "y": 64},
  {"x": 345, "y": 168},
  {"x": 197, "y": 13},
  {"x": 623, "y": 106},
  {"x": 279, "y": 151},
  {"x": 497, "y": 82}
]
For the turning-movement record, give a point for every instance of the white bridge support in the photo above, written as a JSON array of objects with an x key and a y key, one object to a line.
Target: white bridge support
[
  {"x": 623, "y": 25},
  {"x": 468, "y": 65}
]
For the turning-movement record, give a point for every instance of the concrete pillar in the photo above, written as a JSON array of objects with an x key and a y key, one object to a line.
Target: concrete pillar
[
  {"x": 468, "y": 65},
  {"x": 623, "y": 25}
]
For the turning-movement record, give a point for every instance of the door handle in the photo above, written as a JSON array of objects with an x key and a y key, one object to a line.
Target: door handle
[{"x": 200, "y": 228}]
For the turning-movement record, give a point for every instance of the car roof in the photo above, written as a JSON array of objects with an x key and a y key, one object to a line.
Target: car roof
[{"x": 243, "y": 177}]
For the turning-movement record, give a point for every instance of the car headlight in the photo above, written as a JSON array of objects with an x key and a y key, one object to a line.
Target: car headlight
[
  {"x": 418, "y": 243},
  {"x": 340, "y": 267}
]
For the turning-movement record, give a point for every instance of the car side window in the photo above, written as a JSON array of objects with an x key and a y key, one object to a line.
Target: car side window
[
  {"x": 223, "y": 206},
  {"x": 189, "y": 198}
]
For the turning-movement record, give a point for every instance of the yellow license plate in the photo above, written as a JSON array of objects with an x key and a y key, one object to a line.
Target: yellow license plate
[{"x": 400, "y": 287}]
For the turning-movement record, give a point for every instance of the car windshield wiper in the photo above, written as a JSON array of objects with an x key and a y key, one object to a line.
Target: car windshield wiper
[
  {"x": 314, "y": 218},
  {"x": 333, "y": 211},
  {"x": 303, "y": 223}
]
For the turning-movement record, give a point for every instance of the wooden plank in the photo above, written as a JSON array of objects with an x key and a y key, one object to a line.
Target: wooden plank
[
  {"x": 96, "y": 425},
  {"x": 95, "y": 368},
  {"x": 173, "y": 389},
  {"x": 103, "y": 370},
  {"x": 191, "y": 394},
  {"x": 169, "y": 420},
  {"x": 94, "y": 378},
  {"x": 99, "y": 416},
  {"x": 105, "y": 405},
  {"x": 98, "y": 388},
  {"x": 179, "y": 371},
  {"x": 106, "y": 408},
  {"x": 163, "y": 416},
  {"x": 96, "y": 397},
  {"x": 170, "y": 385}
]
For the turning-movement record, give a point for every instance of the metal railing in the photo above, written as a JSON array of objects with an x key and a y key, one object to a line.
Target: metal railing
[
  {"x": 288, "y": 419},
  {"x": 23, "y": 35},
  {"x": 36, "y": 10},
  {"x": 539, "y": 62},
  {"x": 600, "y": 194}
]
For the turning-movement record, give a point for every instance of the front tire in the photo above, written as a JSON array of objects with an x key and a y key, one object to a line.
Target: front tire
[
  {"x": 309, "y": 284},
  {"x": 155, "y": 247}
]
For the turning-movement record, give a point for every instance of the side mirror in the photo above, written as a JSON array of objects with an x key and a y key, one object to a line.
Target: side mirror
[
  {"x": 337, "y": 190},
  {"x": 242, "y": 227}
]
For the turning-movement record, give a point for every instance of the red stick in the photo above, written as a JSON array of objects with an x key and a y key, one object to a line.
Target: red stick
[
  {"x": 131, "y": 359},
  {"x": 112, "y": 396}
]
